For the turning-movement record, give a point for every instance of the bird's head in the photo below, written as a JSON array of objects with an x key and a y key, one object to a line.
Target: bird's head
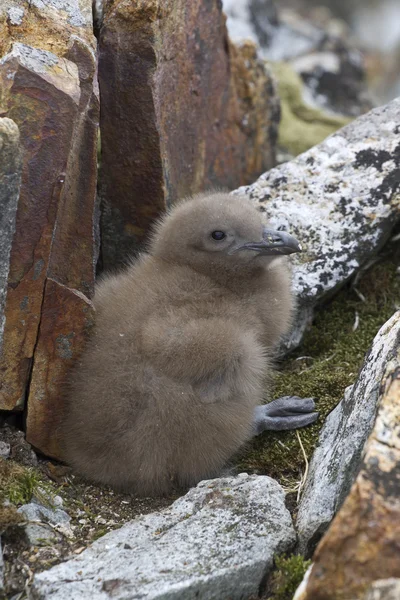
[{"x": 219, "y": 231}]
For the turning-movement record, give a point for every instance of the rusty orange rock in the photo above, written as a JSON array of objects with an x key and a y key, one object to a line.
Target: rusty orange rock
[
  {"x": 51, "y": 92},
  {"x": 66, "y": 321},
  {"x": 183, "y": 110}
]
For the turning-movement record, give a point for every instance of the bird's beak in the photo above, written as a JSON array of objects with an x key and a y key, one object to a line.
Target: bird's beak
[{"x": 274, "y": 243}]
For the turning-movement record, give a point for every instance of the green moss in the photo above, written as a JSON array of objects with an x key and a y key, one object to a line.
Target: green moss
[
  {"x": 302, "y": 126},
  {"x": 334, "y": 356},
  {"x": 17, "y": 483},
  {"x": 288, "y": 576}
]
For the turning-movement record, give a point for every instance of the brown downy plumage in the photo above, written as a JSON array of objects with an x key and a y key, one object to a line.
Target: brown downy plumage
[{"x": 168, "y": 387}]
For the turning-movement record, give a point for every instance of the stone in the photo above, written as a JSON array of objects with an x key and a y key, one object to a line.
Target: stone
[
  {"x": 36, "y": 512},
  {"x": 329, "y": 65},
  {"x": 384, "y": 589},
  {"x": 67, "y": 318},
  {"x": 38, "y": 534},
  {"x": 1, "y": 570},
  {"x": 361, "y": 545},
  {"x": 218, "y": 541},
  {"x": 340, "y": 199},
  {"x": 20, "y": 451},
  {"x": 10, "y": 181},
  {"x": 49, "y": 87},
  {"x": 5, "y": 450},
  {"x": 337, "y": 457},
  {"x": 183, "y": 110}
]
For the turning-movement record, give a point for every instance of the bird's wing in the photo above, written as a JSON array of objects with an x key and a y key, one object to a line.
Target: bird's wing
[{"x": 207, "y": 352}]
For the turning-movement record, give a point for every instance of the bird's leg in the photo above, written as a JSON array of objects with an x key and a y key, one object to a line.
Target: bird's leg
[{"x": 288, "y": 412}]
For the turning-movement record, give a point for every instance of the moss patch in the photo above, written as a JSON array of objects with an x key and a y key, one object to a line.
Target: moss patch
[
  {"x": 328, "y": 361},
  {"x": 288, "y": 576},
  {"x": 302, "y": 126}
]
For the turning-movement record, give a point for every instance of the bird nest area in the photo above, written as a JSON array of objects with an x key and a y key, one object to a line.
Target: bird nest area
[{"x": 327, "y": 362}]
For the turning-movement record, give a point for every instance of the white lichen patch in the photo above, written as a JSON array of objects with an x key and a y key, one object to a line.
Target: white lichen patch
[{"x": 340, "y": 198}]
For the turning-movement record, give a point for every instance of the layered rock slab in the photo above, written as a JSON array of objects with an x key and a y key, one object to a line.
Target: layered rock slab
[
  {"x": 49, "y": 87},
  {"x": 10, "y": 181},
  {"x": 361, "y": 546},
  {"x": 337, "y": 457},
  {"x": 218, "y": 541},
  {"x": 183, "y": 110},
  {"x": 340, "y": 199}
]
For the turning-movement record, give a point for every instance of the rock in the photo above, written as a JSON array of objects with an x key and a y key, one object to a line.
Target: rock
[
  {"x": 302, "y": 124},
  {"x": 67, "y": 318},
  {"x": 340, "y": 199},
  {"x": 361, "y": 545},
  {"x": 10, "y": 181},
  {"x": 38, "y": 534},
  {"x": 385, "y": 589},
  {"x": 217, "y": 541},
  {"x": 183, "y": 110},
  {"x": 337, "y": 458},
  {"x": 5, "y": 450},
  {"x": 36, "y": 512},
  {"x": 1, "y": 570},
  {"x": 329, "y": 65},
  {"x": 20, "y": 450},
  {"x": 50, "y": 90}
]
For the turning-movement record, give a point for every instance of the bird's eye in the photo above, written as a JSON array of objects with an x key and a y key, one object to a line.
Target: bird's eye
[{"x": 218, "y": 235}]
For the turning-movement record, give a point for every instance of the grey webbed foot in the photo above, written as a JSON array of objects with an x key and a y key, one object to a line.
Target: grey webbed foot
[{"x": 288, "y": 412}]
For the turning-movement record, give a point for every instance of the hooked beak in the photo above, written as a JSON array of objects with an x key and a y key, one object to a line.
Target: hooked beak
[{"x": 274, "y": 243}]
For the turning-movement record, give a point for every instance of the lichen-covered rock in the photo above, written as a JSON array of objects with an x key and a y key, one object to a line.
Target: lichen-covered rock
[
  {"x": 361, "y": 545},
  {"x": 340, "y": 199},
  {"x": 384, "y": 589},
  {"x": 336, "y": 460},
  {"x": 330, "y": 67},
  {"x": 216, "y": 542},
  {"x": 183, "y": 110},
  {"x": 49, "y": 88},
  {"x": 10, "y": 181}
]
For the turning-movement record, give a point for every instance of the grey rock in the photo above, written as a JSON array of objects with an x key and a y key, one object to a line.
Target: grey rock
[
  {"x": 5, "y": 450},
  {"x": 10, "y": 180},
  {"x": 384, "y": 589},
  {"x": 331, "y": 68},
  {"x": 336, "y": 460},
  {"x": 1, "y": 569},
  {"x": 216, "y": 542},
  {"x": 15, "y": 15},
  {"x": 38, "y": 534},
  {"x": 340, "y": 199},
  {"x": 36, "y": 512}
]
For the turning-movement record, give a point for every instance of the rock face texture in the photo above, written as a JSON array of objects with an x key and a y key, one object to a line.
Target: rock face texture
[
  {"x": 218, "y": 541},
  {"x": 49, "y": 89},
  {"x": 330, "y": 67},
  {"x": 361, "y": 546},
  {"x": 336, "y": 460},
  {"x": 183, "y": 109},
  {"x": 340, "y": 199},
  {"x": 10, "y": 181}
]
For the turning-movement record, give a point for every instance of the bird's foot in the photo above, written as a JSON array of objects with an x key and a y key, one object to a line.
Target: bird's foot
[{"x": 288, "y": 412}]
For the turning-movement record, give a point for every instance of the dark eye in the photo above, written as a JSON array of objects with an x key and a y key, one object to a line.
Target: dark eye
[{"x": 218, "y": 235}]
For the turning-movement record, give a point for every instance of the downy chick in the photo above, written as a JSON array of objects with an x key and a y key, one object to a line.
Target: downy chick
[{"x": 169, "y": 386}]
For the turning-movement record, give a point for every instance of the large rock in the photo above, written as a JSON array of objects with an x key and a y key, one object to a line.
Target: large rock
[
  {"x": 330, "y": 66},
  {"x": 362, "y": 544},
  {"x": 10, "y": 181},
  {"x": 49, "y": 88},
  {"x": 182, "y": 110},
  {"x": 340, "y": 199},
  {"x": 216, "y": 542},
  {"x": 337, "y": 458}
]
